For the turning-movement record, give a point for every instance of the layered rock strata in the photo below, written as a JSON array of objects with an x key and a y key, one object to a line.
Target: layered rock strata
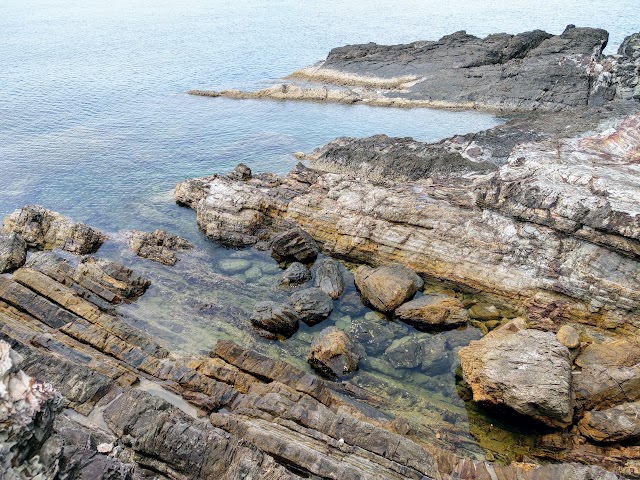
[
  {"x": 554, "y": 231},
  {"x": 529, "y": 71}
]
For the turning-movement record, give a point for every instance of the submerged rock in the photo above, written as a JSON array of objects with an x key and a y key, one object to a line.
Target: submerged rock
[
  {"x": 434, "y": 310},
  {"x": 312, "y": 305},
  {"x": 333, "y": 353},
  {"x": 528, "y": 371},
  {"x": 294, "y": 244},
  {"x": 295, "y": 274},
  {"x": 329, "y": 278},
  {"x": 387, "y": 287},
  {"x": 159, "y": 246},
  {"x": 13, "y": 252},
  {"x": 275, "y": 318},
  {"x": 430, "y": 352},
  {"x": 375, "y": 333},
  {"x": 44, "y": 229}
]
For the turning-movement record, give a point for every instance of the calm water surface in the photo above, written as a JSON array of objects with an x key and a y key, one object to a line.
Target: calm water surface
[{"x": 94, "y": 123}]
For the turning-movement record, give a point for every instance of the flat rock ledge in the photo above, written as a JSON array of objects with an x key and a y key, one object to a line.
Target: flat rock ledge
[{"x": 524, "y": 72}]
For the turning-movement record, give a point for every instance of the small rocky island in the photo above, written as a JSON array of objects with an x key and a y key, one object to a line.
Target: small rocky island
[{"x": 529, "y": 231}]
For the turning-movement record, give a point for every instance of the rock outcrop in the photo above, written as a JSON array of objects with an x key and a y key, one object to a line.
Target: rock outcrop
[
  {"x": 528, "y": 371},
  {"x": 159, "y": 246},
  {"x": 387, "y": 287},
  {"x": 45, "y": 230},
  {"x": 529, "y": 71},
  {"x": 553, "y": 232},
  {"x": 295, "y": 274},
  {"x": 13, "y": 252}
]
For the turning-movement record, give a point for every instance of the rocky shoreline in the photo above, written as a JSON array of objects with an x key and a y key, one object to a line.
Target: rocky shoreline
[
  {"x": 531, "y": 71},
  {"x": 529, "y": 232}
]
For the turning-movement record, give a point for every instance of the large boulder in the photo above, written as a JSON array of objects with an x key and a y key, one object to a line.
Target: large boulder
[
  {"x": 613, "y": 424},
  {"x": 294, "y": 245},
  {"x": 387, "y": 287},
  {"x": 434, "y": 310},
  {"x": 311, "y": 305},
  {"x": 333, "y": 353},
  {"x": 45, "y": 230},
  {"x": 528, "y": 371},
  {"x": 271, "y": 319},
  {"x": 13, "y": 252},
  {"x": 159, "y": 246},
  {"x": 329, "y": 278}
]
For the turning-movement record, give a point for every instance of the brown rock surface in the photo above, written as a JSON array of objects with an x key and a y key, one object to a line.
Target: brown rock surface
[
  {"x": 434, "y": 310},
  {"x": 613, "y": 424},
  {"x": 528, "y": 371},
  {"x": 387, "y": 287},
  {"x": 333, "y": 353}
]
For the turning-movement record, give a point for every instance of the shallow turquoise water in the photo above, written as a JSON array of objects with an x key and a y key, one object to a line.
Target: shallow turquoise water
[{"x": 95, "y": 123}]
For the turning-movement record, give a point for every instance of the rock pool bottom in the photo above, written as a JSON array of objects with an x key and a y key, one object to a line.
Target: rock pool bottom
[{"x": 210, "y": 293}]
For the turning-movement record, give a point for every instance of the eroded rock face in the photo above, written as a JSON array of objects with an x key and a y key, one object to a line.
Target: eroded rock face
[
  {"x": 528, "y": 371},
  {"x": 333, "y": 353},
  {"x": 387, "y": 287},
  {"x": 275, "y": 318},
  {"x": 434, "y": 310},
  {"x": 44, "y": 229},
  {"x": 613, "y": 424},
  {"x": 612, "y": 353},
  {"x": 311, "y": 305},
  {"x": 159, "y": 246},
  {"x": 13, "y": 252}
]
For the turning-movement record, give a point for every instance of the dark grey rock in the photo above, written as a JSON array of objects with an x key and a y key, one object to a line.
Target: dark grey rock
[
  {"x": 294, "y": 244},
  {"x": 329, "y": 278},
  {"x": 529, "y": 71},
  {"x": 241, "y": 172},
  {"x": 295, "y": 274},
  {"x": 275, "y": 318},
  {"x": 312, "y": 305},
  {"x": 375, "y": 333},
  {"x": 13, "y": 252}
]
